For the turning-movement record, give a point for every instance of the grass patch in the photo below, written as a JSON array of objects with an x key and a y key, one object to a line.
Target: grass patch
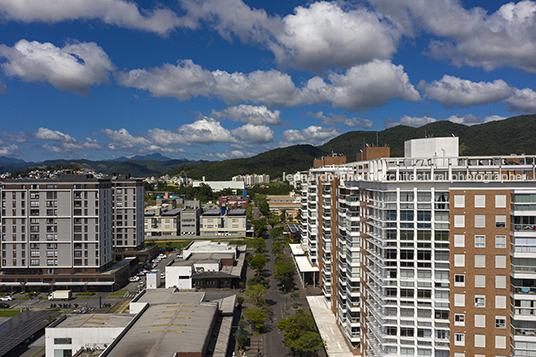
[
  {"x": 21, "y": 298},
  {"x": 8, "y": 313},
  {"x": 119, "y": 293},
  {"x": 53, "y": 309},
  {"x": 87, "y": 293}
]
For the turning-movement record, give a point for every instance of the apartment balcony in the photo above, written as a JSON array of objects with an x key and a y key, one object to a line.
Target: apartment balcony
[
  {"x": 522, "y": 269},
  {"x": 523, "y": 290},
  {"x": 522, "y": 331}
]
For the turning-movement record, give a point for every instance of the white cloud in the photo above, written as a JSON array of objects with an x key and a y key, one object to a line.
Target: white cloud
[
  {"x": 452, "y": 91},
  {"x": 8, "y": 150},
  {"x": 359, "y": 88},
  {"x": 325, "y": 35},
  {"x": 72, "y": 68},
  {"x": 471, "y": 36},
  {"x": 311, "y": 135},
  {"x": 257, "y": 115},
  {"x": 522, "y": 100},
  {"x": 55, "y": 135},
  {"x": 206, "y": 130},
  {"x": 471, "y": 119},
  {"x": 15, "y": 138},
  {"x": 113, "y": 12},
  {"x": 64, "y": 142},
  {"x": 322, "y": 35},
  {"x": 416, "y": 121},
  {"x": 229, "y": 154},
  {"x": 255, "y": 134},
  {"x": 165, "y": 138},
  {"x": 341, "y": 119},
  {"x": 122, "y": 139}
]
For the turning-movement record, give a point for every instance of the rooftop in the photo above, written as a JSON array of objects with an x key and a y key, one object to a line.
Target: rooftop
[
  {"x": 173, "y": 322},
  {"x": 95, "y": 320}
]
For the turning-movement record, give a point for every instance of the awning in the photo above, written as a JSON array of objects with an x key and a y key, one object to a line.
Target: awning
[
  {"x": 304, "y": 266},
  {"x": 296, "y": 249}
]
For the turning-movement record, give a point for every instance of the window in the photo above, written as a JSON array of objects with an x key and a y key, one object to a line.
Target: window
[
  {"x": 500, "y": 302},
  {"x": 500, "y": 281},
  {"x": 480, "y": 340},
  {"x": 480, "y": 241},
  {"x": 459, "y": 339},
  {"x": 500, "y": 221},
  {"x": 500, "y": 342},
  {"x": 63, "y": 341},
  {"x": 500, "y": 321},
  {"x": 480, "y": 201},
  {"x": 459, "y": 221},
  {"x": 480, "y": 320},
  {"x": 500, "y": 241},
  {"x": 459, "y": 240},
  {"x": 459, "y": 319},
  {"x": 500, "y": 201},
  {"x": 480, "y": 301},
  {"x": 480, "y": 281},
  {"x": 480, "y": 261},
  {"x": 480, "y": 221},
  {"x": 459, "y": 260},
  {"x": 459, "y": 300},
  {"x": 459, "y": 201},
  {"x": 500, "y": 261},
  {"x": 459, "y": 280}
]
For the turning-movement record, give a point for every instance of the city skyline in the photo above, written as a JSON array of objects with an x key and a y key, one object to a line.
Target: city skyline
[{"x": 217, "y": 80}]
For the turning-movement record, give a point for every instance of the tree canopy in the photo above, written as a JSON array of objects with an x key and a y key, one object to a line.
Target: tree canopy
[{"x": 300, "y": 335}]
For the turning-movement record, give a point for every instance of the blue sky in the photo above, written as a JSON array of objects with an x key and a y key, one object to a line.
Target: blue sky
[{"x": 218, "y": 79}]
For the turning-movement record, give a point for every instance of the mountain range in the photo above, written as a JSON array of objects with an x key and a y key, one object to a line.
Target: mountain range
[{"x": 503, "y": 137}]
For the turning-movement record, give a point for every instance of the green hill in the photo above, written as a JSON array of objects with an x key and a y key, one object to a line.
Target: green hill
[{"x": 513, "y": 135}]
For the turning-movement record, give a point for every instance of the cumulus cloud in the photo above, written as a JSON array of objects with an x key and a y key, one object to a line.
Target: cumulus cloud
[
  {"x": 341, "y": 119},
  {"x": 113, "y": 12},
  {"x": 455, "y": 92},
  {"x": 255, "y": 134},
  {"x": 522, "y": 100},
  {"x": 63, "y": 143},
  {"x": 452, "y": 91},
  {"x": 122, "y": 139},
  {"x": 257, "y": 115},
  {"x": 15, "y": 138},
  {"x": 322, "y": 35},
  {"x": 8, "y": 150},
  {"x": 206, "y": 130},
  {"x": 471, "y": 119},
  {"x": 359, "y": 88},
  {"x": 470, "y": 36},
  {"x": 311, "y": 135},
  {"x": 73, "y": 68}
]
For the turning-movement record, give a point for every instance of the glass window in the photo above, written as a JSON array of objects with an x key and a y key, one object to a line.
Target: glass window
[
  {"x": 480, "y": 241},
  {"x": 500, "y": 241}
]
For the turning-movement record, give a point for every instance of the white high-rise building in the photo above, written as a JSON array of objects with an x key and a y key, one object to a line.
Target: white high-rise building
[{"x": 432, "y": 254}]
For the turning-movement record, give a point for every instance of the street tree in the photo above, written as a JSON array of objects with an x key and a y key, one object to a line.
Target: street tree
[
  {"x": 300, "y": 336},
  {"x": 259, "y": 226},
  {"x": 285, "y": 274},
  {"x": 259, "y": 244},
  {"x": 264, "y": 207},
  {"x": 277, "y": 248},
  {"x": 258, "y": 262},
  {"x": 257, "y": 317},
  {"x": 256, "y": 295}
]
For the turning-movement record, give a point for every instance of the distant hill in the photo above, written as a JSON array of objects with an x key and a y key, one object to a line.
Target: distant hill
[
  {"x": 138, "y": 166},
  {"x": 273, "y": 162},
  {"x": 513, "y": 135}
]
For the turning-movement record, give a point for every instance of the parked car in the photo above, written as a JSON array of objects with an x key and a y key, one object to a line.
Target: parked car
[
  {"x": 134, "y": 278},
  {"x": 6, "y": 298},
  {"x": 3, "y": 305}
]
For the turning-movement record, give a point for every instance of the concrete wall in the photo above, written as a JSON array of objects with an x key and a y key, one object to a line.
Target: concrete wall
[
  {"x": 429, "y": 147},
  {"x": 179, "y": 276},
  {"x": 81, "y": 337},
  {"x": 153, "y": 279}
]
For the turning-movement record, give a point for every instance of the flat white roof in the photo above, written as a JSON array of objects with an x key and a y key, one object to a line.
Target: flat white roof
[
  {"x": 296, "y": 249},
  {"x": 304, "y": 265},
  {"x": 336, "y": 345}
]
